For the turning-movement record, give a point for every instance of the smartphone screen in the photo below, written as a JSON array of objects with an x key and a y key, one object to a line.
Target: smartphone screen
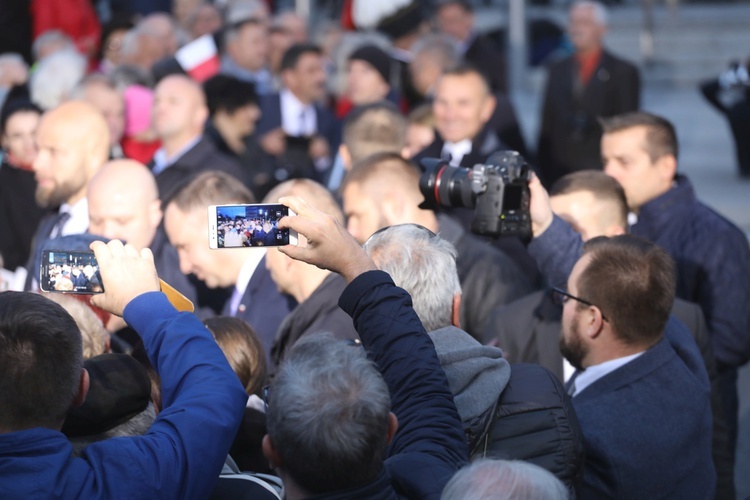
[
  {"x": 236, "y": 226},
  {"x": 72, "y": 272}
]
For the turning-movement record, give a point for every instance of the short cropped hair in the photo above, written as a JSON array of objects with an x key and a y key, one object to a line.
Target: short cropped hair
[
  {"x": 465, "y": 69},
  {"x": 440, "y": 47},
  {"x": 632, "y": 281},
  {"x": 600, "y": 11},
  {"x": 504, "y": 480},
  {"x": 315, "y": 194},
  {"x": 293, "y": 54},
  {"x": 242, "y": 348},
  {"x": 41, "y": 362},
  {"x": 381, "y": 165},
  {"x": 661, "y": 138},
  {"x": 327, "y": 415},
  {"x": 600, "y": 185},
  {"x": 227, "y": 93},
  {"x": 422, "y": 115},
  {"x": 211, "y": 188},
  {"x": 373, "y": 128},
  {"x": 424, "y": 265}
]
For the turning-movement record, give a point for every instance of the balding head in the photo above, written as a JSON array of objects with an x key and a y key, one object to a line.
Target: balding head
[
  {"x": 73, "y": 144},
  {"x": 179, "y": 111},
  {"x": 124, "y": 203}
]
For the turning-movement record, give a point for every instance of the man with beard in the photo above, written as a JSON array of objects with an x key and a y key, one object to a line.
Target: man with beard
[
  {"x": 640, "y": 391},
  {"x": 73, "y": 144}
]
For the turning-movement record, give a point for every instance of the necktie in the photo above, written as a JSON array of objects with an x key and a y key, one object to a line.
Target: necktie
[
  {"x": 571, "y": 384},
  {"x": 60, "y": 221},
  {"x": 234, "y": 301}
]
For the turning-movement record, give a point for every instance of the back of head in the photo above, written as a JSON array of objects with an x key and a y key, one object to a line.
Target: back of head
[
  {"x": 661, "y": 138},
  {"x": 316, "y": 195},
  {"x": 228, "y": 94},
  {"x": 328, "y": 415},
  {"x": 424, "y": 265},
  {"x": 242, "y": 348},
  {"x": 384, "y": 169},
  {"x": 503, "y": 479},
  {"x": 40, "y": 362},
  {"x": 374, "y": 128},
  {"x": 211, "y": 188},
  {"x": 94, "y": 336},
  {"x": 55, "y": 78},
  {"x": 632, "y": 281},
  {"x": 602, "y": 187}
]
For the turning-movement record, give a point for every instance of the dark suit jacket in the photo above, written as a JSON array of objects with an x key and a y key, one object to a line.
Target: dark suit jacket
[
  {"x": 570, "y": 133},
  {"x": 487, "y": 56},
  {"x": 202, "y": 157},
  {"x": 263, "y": 307},
  {"x": 647, "y": 426},
  {"x": 528, "y": 331},
  {"x": 328, "y": 126},
  {"x": 19, "y": 214}
]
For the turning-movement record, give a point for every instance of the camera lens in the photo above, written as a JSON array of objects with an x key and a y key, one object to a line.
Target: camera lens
[{"x": 444, "y": 185}]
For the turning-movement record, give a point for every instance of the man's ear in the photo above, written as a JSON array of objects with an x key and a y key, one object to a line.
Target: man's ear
[
  {"x": 456, "y": 311},
  {"x": 488, "y": 108},
  {"x": 392, "y": 207},
  {"x": 594, "y": 322},
  {"x": 155, "y": 214},
  {"x": 346, "y": 157},
  {"x": 83, "y": 388},
  {"x": 273, "y": 457},
  {"x": 392, "y": 427},
  {"x": 667, "y": 166}
]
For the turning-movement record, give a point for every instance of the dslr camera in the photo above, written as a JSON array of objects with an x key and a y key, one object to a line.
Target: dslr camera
[{"x": 498, "y": 190}]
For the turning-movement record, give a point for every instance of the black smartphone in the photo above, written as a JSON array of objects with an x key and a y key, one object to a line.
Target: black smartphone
[
  {"x": 70, "y": 272},
  {"x": 237, "y": 226}
]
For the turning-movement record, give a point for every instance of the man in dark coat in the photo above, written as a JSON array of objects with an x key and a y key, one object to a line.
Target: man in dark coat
[
  {"x": 323, "y": 380},
  {"x": 591, "y": 83},
  {"x": 179, "y": 115},
  {"x": 528, "y": 330},
  {"x": 316, "y": 290},
  {"x": 383, "y": 190}
]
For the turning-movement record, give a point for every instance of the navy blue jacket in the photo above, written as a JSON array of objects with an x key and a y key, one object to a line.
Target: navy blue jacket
[
  {"x": 647, "y": 425},
  {"x": 711, "y": 254},
  {"x": 182, "y": 453},
  {"x": 263, "y": 307},
  {"x": 430, "y": 445}
]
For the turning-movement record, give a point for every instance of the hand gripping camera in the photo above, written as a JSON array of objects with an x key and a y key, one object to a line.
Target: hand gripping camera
[{"x": 498, "y": 190}]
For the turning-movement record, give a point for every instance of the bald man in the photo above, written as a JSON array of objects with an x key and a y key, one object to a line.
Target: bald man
[
  {"x": 383, "y": 190},
  {"x": 316, "y": 290},
  {"x": 179, "y": 114},
  {"x": 124, "y": 205},
  {"x": 73, "y": 144}
]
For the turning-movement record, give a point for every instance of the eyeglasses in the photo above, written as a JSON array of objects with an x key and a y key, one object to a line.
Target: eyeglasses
[
  {"x": 266, "y": 390},
  {"x": 561, "y": 296}
]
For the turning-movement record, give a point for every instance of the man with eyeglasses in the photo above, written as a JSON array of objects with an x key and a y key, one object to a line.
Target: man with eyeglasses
[{"x": 640, "y": 391}]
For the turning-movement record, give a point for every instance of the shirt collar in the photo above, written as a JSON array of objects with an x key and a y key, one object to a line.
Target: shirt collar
[
  {"x": 457, "y": 150},
  {"x": 162, "y": 162},
  {"x": 79, "y": 217},
  {"x": 594, "y": 373}
]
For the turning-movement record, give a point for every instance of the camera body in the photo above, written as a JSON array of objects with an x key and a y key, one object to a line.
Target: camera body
[{"x": 498, "y": 191}]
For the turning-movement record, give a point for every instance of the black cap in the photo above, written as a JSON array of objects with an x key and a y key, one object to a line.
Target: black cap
[
  {"x": 119, "y": 389},
  {"x": 375, "y": 57}
]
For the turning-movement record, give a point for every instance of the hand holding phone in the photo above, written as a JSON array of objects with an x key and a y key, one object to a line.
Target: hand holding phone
[
  {"x": 329, "y": 246},
  {"x": 127, "y": 273},
  {"x": 248, "y": 226}
]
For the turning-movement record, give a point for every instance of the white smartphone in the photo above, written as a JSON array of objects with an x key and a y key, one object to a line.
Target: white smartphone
[{"x": 256, "y": 225}]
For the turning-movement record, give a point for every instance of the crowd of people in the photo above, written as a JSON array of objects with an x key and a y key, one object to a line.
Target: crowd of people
[{"x": 390, "y": 353}]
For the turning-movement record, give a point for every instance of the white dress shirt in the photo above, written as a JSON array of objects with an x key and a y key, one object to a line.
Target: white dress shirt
[
  {"x": 254, "y": 257},
  {"x": 297, "y": 119},
  {"x": 594, "y": 373},
  {"x": 78, "y": 223},
  {"x": 456, "y": 150}
]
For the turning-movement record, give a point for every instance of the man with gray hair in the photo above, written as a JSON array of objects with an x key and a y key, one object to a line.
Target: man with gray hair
[
  {"x": 424, "y": 265},
  {"x": 332, "y": 428},
  {"x": 503, "y": 480},
  {"x": 589, "y": 84}
]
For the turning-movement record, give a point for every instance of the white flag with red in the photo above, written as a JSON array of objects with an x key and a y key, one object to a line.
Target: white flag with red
[{"x": 200, "y": 58}]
